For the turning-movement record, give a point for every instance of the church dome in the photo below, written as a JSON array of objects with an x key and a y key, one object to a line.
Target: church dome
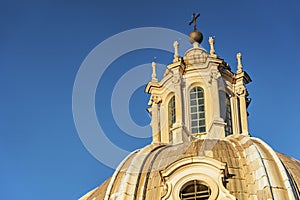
[
  {"x": 201, "y": 146},
  {"x": 245, "y": 167}
]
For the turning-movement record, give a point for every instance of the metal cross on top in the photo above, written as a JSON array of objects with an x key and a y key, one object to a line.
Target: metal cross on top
[{"x": 195, "y": 16}]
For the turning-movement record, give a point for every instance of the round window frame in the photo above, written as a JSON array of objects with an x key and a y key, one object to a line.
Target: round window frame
[
  {"x": 208, "y": 181},
  {"x": 191, "y": 183}
]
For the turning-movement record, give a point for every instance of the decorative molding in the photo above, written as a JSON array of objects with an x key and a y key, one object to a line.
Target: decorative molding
[
  {"x": 176, "y": 79},
  {"x": 205, "y": 169},
  {"x": 214, "y": 75}
]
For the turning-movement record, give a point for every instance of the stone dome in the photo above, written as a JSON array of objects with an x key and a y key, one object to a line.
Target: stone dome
[
  {"x": 201, "y": 146},
  {"x": 246, "y": 167}
]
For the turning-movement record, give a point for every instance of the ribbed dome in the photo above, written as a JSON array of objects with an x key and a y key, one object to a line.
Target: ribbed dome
[
  {"x": 253, "y": 170},
  {"x": 200, "y": 97},
  {"x": 195, "y": 56}
]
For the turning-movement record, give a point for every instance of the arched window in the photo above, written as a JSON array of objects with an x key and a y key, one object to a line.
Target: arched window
[
  {"x": 195, "y": 190},
  {"x": 197, "y": 110},
  {"x": 171, "y": 115}
]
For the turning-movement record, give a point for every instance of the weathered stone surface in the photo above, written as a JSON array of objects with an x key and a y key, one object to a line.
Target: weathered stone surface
[{"x": 253, "y": 173}]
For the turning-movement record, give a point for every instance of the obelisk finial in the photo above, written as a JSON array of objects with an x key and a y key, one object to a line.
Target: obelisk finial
[
  {"x": 212, "y": 48},
  {"x": 239, "y": 60},
  {"x": 175, "y": 45},
  {"x": 154, "y": 78}
]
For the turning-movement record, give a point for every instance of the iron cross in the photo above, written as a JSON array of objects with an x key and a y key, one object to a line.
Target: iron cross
[{"x": 195, "y": 16}]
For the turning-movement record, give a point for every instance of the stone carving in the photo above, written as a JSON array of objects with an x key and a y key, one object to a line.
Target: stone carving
[
  {"x": 214, "y": 75},
  {"x": 239, "y": 60},
  {"x": 176, "y": 44},
  {"x": 212, "y": 48},
  {"x": 241, "y": 91},
  {"x": 154, "y": 99},
  {"x": 176, "y": 79},
  {"x": 154, "y": 77}
]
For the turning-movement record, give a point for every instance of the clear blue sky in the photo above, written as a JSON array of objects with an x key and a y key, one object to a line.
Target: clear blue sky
[{"x": 43, "y": 43}]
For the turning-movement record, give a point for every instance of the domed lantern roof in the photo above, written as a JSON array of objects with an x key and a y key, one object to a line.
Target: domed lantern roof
[{"x": 201, "y": 147}]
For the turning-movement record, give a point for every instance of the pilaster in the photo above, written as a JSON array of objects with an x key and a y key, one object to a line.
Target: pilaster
[
  {"x": 177, "y": 69},
  {"x": 242, "y": 78},
  {"x": 242, "y": 93},
  {"x": 155, "y": 106},
  {"x": 217, "y": 128}
]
